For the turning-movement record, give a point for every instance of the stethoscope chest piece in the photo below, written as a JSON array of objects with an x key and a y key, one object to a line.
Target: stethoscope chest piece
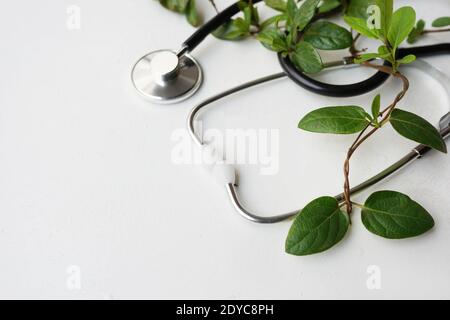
[{"x": 164, "y": 77}]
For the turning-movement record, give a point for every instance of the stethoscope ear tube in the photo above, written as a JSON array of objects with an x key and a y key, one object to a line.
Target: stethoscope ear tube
[
  {"x": 425, "y": 51},
  {"x": 221, "y": 18},
  {"x": 350, "y": 90}
]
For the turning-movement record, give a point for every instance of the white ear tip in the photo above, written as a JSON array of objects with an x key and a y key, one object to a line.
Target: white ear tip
[{"x": 224, "y": 173}]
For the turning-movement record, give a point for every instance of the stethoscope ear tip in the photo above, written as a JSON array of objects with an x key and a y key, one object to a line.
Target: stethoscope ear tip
[{"x": 165, "y": 77}]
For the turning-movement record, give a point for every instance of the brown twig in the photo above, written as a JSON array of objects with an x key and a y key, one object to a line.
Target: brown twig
[
  {"x": 353, "y": 51},
  {"x": 364, "y": 135},
  {"x": 435, "y": 31}
]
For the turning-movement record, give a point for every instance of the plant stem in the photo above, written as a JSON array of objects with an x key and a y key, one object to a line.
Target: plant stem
[
  {"x": 364, "y": 135},
  {"x": 358, "y": 205},
  {"x": 435, "y": 31},
  {"x": 352, "y": 49}
]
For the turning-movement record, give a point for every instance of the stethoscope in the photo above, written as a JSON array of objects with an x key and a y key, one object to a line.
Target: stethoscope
[{"x": 168, "y": 76}]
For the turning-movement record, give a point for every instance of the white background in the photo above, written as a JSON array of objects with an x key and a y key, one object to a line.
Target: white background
[{"x": 87, "y": 180}]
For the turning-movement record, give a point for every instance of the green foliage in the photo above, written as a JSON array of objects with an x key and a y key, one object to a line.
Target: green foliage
[
  {"x": 415, "y": 128},
  {"x": 360, "y": 26},
  {"x": 358, "y": 8},
  {"x": 395, "y": 27},
  {"x": 318, "y": 227},
  {"x": 338, "y": 120},
  {"x": 175, "y": 5},
  {"x": 366, "y": 57},
  {"x": 361, "y": 15},
  {"x": 303, "y": 37},
  {"x": 293, "y": 32},
  {"x": 417, "y": 31},
  {"x": 441, "y": 22},
  {"x": 235, "y": 29},
  {"x": 296, "y": 30},
  {"x": 386, "y": 213},
  {"x": 387, "y": 16},
  {"x": 273, "y": 39},
  {"x": 304, "y": 14},
  {"x": 329, "y": 5},
  {"x": 239, "y": 28},
  {"x": 279, "y": 5},
  {"x": 394, "y": 215},
  {"x": 407, "y": 59},
  {"x": 306, "y": 58},
  {"x": 328, "y": 36},
  {"x": 403, "y": 22},
  {"x": 376, "y": 105},
  {"x": 187, "y": 7},
  {"x": 192, "y": 14}
]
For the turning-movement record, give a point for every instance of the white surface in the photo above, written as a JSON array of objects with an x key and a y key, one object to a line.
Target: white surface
[{"x": 87, "y": 183}]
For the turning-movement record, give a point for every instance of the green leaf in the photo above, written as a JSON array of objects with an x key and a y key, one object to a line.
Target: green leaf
[
  {"x": 329, "y": 5},
  {"x": 175, "y": 5},
  {"x": 326, "y": 35},
  {"x": 279, "y": 5},
  {"x": 358, "y": 8},
  {"x": 273, "y": 21},
  {"x": 318, "y": 227},
  {"x": 255, "y": 15},
  {"x": 360, "y": 25},
  {"x": 339, "y": 120},
  {"x": 364, "y": 17},
  {"x": 441, "y": 22},
  {"x": 403, "y": 22},
  {"x": 273, "y": 39},
  {"x": 306, "y": 58},
  {"x": 386, "y": 10},
  {"x": 247, "y": 15},
  {"x": 231, "y": 30},
  {"x": 416, "y": 32},
  {"x": 376, "y": 104},
  {"x": 407, "y": 59},
  {"x": 306, "y": 13},
  {"x": 383, "y": 51},
  {"x": 386, "y": 54},
  {"x": 291, "y": 10},
  {"x": 242, "y": 24},
  {"x": 415, "y": 128},
  {"x": 366, "y": 57},
  {"x": 191, "y": 13},
  {"x": 393, "y": 215}
]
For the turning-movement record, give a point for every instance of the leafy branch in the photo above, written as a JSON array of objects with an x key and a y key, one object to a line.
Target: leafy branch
[
  {"x": 375, "y": 123},
  {"x": 298, "y": 30},
  {"x": 323, "y": 223},
  {"x": 186, "y": 7},
  {"x": 419, "y": 29}
]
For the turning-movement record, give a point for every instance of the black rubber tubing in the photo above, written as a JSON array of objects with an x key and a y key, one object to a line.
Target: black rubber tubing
[
  {"x": 224, "y": 16},
  {"x": 355, "y": 89}
]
